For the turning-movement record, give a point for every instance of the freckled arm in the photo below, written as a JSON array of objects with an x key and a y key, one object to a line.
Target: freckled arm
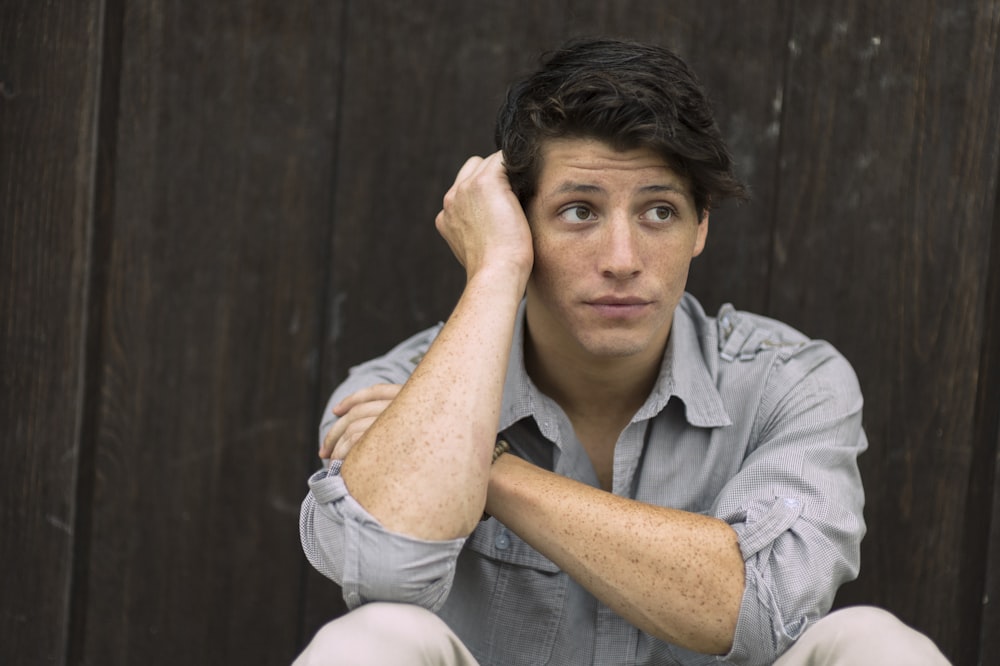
[
  {"x": 678, "y": 576},
  {"x": 422, "y": 468}
]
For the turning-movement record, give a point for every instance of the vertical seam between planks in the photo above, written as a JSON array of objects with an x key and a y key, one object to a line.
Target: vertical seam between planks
[
  {"x": 101, "y": 207},
  {"x": 324, "y": 313},
  {"x": 986, "y": 422},
  {"x": 779, "y": 156}
]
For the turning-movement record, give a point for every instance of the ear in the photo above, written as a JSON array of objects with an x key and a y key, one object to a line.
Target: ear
[{"x": 699, "y": 243}]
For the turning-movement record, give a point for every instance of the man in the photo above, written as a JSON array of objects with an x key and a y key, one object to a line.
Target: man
[{"x": 679, "y": 488}]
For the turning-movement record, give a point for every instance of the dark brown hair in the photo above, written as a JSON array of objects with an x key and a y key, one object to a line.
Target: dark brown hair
[{"x": 627, "y": 94}]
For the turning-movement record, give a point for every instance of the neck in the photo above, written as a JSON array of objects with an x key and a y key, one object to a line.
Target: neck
[{"x": 593, "y": 388}]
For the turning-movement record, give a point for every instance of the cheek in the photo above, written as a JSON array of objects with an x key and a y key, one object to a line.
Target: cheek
[
  {"x": 671, "y": 269},
  {"x": 548, "y": 261},
  {"x": 553, "y": 273}
]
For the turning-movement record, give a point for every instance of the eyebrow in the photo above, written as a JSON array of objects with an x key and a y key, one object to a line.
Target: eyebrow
[{"x": 571, "y": 186}]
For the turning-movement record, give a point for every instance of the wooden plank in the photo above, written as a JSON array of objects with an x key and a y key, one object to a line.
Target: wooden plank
[
  {"x": 49, "y": 61},
  {"x": 989, "y": 634},
  {"x": 212, "y": 325},
  {"x": 888, "y": 169},
  {"x": 986, "y": 477}
]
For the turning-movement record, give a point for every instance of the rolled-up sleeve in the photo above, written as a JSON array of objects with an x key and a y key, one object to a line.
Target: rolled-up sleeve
[
  {"x": 345, "y": 543},
  {"x": 796, "y": 503}
]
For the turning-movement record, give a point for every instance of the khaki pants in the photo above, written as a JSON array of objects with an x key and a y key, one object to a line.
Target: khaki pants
[{"x": 400, "y": 634}]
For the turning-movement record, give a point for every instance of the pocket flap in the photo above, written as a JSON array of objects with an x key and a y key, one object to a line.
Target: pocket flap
[{"x": 494, "y": 540}]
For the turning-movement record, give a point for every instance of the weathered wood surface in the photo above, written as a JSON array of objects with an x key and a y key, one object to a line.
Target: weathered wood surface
[
  {"x": 49, "y": 70},
  {"x": 209, "y": 213},
  {"x": 211, "y": 330},
  {"x": 985, "y": 476},
  {"x": 882, "y": 234}
]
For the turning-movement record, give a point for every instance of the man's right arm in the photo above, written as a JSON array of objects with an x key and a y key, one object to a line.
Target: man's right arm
[{"x": 422, "y": 467}]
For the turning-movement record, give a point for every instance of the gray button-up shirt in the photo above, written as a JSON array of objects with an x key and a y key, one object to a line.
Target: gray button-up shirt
[{"x": 749, "y": 421}]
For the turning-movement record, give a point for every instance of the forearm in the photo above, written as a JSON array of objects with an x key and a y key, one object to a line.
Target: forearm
[
  {"x": 676, "y": 575},
  {"x": 423, "y": 466}
]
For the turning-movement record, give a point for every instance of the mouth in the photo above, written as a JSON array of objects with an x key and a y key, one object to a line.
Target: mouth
[
  {"x": 618, "y": 301},
  {"x": 619, "y": 307}
]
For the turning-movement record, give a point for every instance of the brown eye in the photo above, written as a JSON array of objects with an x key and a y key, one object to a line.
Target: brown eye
[
  {"x": 659, "y": 214},
  {"x": 577, "y": 214}
]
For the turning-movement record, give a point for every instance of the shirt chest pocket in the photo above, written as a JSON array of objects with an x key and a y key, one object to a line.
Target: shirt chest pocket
[{"x": 507, "y": 601}]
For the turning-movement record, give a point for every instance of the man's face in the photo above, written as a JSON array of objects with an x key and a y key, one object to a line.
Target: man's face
[{"x": 614, "y": 234}]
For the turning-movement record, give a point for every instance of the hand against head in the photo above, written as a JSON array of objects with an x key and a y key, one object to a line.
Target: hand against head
[{"x": 483, "y": 222}]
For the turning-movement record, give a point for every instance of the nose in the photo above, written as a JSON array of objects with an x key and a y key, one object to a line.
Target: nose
[{"x": 620, "y": 255}]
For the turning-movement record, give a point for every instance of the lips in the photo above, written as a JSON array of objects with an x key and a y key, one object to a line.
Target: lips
[
  {"x": 619, "y": 308},
  {"x": 618, "y": 300}
]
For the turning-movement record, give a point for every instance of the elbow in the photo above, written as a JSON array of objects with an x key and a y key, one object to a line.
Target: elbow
[
  {"x": 322, "y": 541},
  {"x": 708, "y": 620},
  {"x": 397, "y": 586},
  {"x": 719, "y": 640},
  {"x": 380, "y": 565},
  {"x": 370, "y": 562},
  {"x": 727, "y": 589},
  {"x": 712, "y": 635}
]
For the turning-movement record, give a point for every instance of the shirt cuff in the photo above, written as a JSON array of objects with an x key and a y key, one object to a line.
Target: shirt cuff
[
  {"x": 379, "y": 564},
  {"x": 762, "y": 631}
]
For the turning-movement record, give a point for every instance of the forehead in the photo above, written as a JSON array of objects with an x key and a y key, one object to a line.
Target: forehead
[{"x": 587, "y": 162}]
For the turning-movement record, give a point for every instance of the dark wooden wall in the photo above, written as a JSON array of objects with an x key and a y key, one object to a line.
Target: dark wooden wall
[{"x": 209, "y": 211}]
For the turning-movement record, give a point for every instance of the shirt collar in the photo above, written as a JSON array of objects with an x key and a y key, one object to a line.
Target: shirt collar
[
  {"x": 521, "y": 398},
  {"x": 687, "y": 369},
  {"x": 685, "y": 372}
]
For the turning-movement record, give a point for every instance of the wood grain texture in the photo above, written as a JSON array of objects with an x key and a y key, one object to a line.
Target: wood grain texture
[
  {"x": 211, "y": 331},
  {"x": 888, "y": 171},
  {"x": 985, "y": 479},
  {"x": 49, "y": 61},
  {"x": 989, "y": 633}
]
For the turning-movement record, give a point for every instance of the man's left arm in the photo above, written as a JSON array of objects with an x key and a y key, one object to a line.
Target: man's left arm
[
  {"x": 784, "y": 533},
  {"x": 674, "y": 574}
]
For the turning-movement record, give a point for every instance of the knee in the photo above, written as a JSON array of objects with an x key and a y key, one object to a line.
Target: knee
[
  {"x": 378, "y": 633},
  {"x": 865, "y": 621},
  {"x": 413, "y": 625},
  {"x": 867, "y": 634}
]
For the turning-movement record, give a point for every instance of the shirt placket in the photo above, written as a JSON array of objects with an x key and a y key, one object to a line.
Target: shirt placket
[{"x": 616, "y": 640}]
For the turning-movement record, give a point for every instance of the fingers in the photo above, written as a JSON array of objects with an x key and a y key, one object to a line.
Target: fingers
[
  {"x": 349, "y": 428},
  {"x": 357, "y": 412},
  {"x": 361, "y": 411},
  {"x": 374, "y": 392},
  {"x": 351, "y": 437},
  {"x": 472, "y": 169},
  {"x": 476, "y": 165},
  {"x": 482, "y": 220},
  {"x": 469, "y": 168}
]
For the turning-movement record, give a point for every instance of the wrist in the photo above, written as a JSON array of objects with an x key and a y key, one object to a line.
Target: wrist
[
  {"x": 507, "y": 271},
  {"x": 505, "y": 474}
]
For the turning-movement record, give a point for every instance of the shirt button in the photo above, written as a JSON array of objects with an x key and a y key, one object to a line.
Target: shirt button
[
  {"x": 791, "y": 503},
  {"x": 502, "y": 542}
]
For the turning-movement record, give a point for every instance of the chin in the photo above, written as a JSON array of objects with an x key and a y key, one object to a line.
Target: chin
[{"x": 619, "y": 348}]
